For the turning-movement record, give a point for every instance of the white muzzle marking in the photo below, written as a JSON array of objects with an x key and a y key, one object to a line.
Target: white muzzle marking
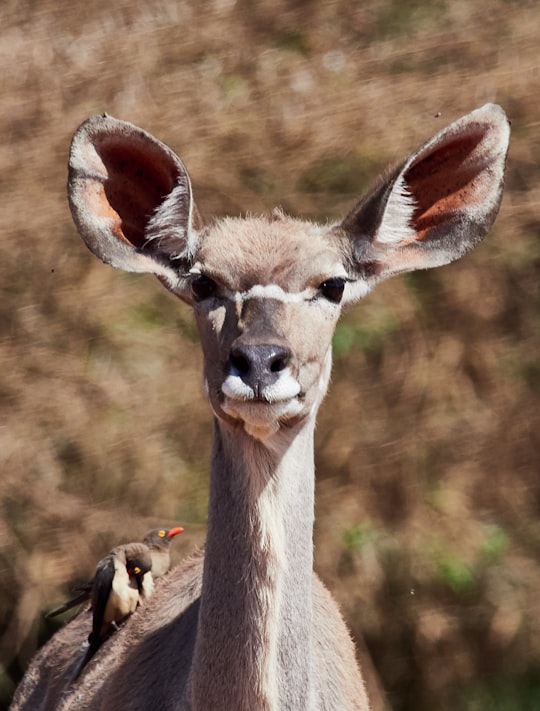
[{"x": 284, "y": 389}]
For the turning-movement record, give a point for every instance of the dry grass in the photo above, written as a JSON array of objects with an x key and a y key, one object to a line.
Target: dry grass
[{"x": 429, "y": 494}]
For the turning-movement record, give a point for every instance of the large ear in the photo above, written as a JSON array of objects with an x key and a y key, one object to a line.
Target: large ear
[
  {"x": 434, "y": 207},
  {"x": 130, "y": 197}
]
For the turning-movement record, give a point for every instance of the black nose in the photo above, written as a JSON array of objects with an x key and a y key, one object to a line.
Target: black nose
[{"x": 259, "y": 365}]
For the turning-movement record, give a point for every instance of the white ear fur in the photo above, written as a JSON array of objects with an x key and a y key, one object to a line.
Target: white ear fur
[
  {"x": 172, "y": 224},
  {"x": 396, "y": 227}
]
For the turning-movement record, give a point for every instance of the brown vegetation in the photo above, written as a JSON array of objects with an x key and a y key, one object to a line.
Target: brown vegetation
[{"x": 428, "y": 445}]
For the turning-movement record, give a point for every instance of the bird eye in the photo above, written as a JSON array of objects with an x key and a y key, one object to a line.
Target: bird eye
[
  {"x": 136, "y": 570},
  {"x": 202, "y": 287},
  {"x": 162, "y": 533},
  {"x": 332, "y": 289}
]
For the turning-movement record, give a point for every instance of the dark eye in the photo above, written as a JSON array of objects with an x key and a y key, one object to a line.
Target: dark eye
[
  {"x": 332, "y": 289},
  {"x": 202, "y": 287}
]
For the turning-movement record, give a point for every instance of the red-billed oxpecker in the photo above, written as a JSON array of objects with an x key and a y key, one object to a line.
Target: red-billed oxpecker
[
  {"x": 123, "y": 579},
  {"x": 158, "y": 541}
]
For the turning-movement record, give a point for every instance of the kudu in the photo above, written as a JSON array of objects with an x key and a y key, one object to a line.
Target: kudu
[{"x": 247, "y": 625}]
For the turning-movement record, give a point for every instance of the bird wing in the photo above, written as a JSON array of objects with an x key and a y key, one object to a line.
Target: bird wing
[{"x": 101, "y": 590}]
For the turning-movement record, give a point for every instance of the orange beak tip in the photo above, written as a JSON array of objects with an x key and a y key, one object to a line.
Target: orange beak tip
[{"x": 175, "y": 531}]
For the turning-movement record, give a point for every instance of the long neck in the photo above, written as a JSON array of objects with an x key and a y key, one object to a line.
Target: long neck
[{"x": 253, "y": 648}]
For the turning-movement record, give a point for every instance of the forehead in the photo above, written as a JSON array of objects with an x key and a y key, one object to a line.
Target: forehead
[{"x": 277, "y": 250}]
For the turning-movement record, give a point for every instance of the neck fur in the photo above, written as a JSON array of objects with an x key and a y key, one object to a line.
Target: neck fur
[{"x": 253, "y": 647}]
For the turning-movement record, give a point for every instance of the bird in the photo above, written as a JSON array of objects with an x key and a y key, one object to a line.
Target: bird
[
  {"x": 158, "y": 541},
  {"x": 122, "y": 581}
]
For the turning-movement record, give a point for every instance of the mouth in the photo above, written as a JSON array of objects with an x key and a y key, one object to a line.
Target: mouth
[{"x": 262, "y": 410}]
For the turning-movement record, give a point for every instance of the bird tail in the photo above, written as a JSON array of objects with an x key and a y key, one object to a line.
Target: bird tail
[{"x": 79, "y": 599}]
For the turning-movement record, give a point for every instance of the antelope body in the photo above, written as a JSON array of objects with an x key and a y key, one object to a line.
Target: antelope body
[{"x": 247, "y": 625}]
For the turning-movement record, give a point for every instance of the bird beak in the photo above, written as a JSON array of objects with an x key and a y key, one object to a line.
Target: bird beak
[{"x": 175, "y": 531}]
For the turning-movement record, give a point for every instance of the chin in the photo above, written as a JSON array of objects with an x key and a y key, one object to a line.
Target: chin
[{"x": 262, "y": 419}]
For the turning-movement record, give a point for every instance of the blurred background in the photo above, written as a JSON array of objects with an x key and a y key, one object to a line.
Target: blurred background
[{"x": 428, "y": 491}]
